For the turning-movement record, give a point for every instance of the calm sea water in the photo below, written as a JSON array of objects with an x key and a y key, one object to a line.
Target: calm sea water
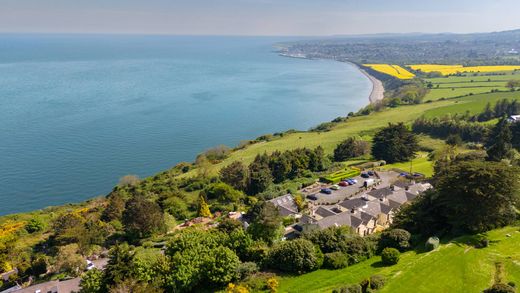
[{"x": 79, "y": 112}]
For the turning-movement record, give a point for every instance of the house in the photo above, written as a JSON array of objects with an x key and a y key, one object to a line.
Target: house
[
  {"x": 364, "y": 214},
  {"x": 285, "y": 205}
]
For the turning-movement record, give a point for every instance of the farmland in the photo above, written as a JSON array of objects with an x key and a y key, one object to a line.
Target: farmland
[
  {"x": 393, "y": 70},
  {"x": 456, "y": 266},
  {"x": 454, "y": 69},
  {"x": 468, "y": 84}
]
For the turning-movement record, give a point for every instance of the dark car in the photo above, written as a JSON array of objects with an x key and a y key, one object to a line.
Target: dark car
[
  {"x": 365, "y": 175},
  {"x": 371, "y": 173},
  {"x": 326, "y": 190},
  {"x": 312, "y": 197}
]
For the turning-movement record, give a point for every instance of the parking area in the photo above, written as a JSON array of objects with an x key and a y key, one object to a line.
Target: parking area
[{"x": 344, "y": 192}]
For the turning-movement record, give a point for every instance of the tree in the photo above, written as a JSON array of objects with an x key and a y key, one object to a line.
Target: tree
[
  {"x": 222, "y": 268},
  {"x": 295, "y": 256},
  {"x": 229, "y": 225},
  {"x": 478, "y": 196},
  {"x": 280, "y": 166},
  {"x": 266, "y": 223},
  {"x": 515, "y": 134},
  {"x": 350, "y": 148},
  {"x": 69, "y": 261},
  {"x": 222, "y": 192},
  {"x": 115, "y": 207},
  {"x": 120, "y": 264},
  {"x": 390, "y": 256},
  {"x": 395, "y": 238},
  {"x": 394, "y": 143},
  {"x": 259, "y": 175},
  {"x": 176, "y": 207},
  {"x": 512, "y": 84},
  {"x": 499, "y": 142},
  {"x": 235, "y": 174},
  {"x": 142, "y": 218},
  {"x": 91, "y": 281},
  {"x": 203, "y": 208},
  {"x": 317, "y": 160},
  {"x": 469, "y": 196}
]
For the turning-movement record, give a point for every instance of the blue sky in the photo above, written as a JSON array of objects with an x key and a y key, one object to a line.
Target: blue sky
[{"x": 258, "y": 17}]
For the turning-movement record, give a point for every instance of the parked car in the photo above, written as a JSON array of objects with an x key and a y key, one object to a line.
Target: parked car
[
  {"x": 90, "y": 265},
  {"x": 312, "y": 197},
  {"x": 365, "y": 175},
  {"x": 418, "y": 175},
  {"x": 371, "y": 173},
  {"x": 344, "y": 183},
  {"x": 326, "y": 190},
  {"x": 334, "y": 187}
]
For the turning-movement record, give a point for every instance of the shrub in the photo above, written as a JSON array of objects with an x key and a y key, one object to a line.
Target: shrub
[
  {"x": 296, "y": 256},
  {"x": 395, "y": 238},
  {"x": 246, "y": 269},
  {"x": 272, "y": 284},
  {"x": 500, "y": 288},
  {"x": 356, "y": 288},
  {"x": 377, "y": 282},
  {"x": 335, "y": 260},
  {"x": 350, "y": 148},
  {"x": 390, "y": 256},
  {"x": 34, "y": 225}
]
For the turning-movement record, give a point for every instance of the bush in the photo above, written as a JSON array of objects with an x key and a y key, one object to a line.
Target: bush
[
  {"x": 34, "y": 225},
  {"x": 432, "y": 243},
  {"x": 350, "y": 148},
  {"x": 356, "y": 288},
  {"x": 395, "y": 238},
  {"x": 390, "y": 256},
  {"x": 296, "y": 256},
  {"x": 335, "y": 260},
  {"x": 377, "y": 282},
  {"x": 500, "y": 288},
  {"x": 246, "y": 269}
]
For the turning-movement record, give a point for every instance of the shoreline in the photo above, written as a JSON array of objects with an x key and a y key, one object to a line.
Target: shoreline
[{"x": 378, "y": 90}]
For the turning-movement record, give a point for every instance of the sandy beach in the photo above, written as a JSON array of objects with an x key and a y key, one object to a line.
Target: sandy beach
[{"x": 378, "y": 90}]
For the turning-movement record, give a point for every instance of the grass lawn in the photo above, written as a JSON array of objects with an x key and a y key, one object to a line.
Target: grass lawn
[
  {"x": 420, "y": 164},
  {"x": 436, "y": 94},
  {"x": 454, "y": 267}
]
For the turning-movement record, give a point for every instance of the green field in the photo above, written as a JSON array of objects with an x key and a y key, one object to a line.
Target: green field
[
  {"x": 453, "y": 267},
  {"x": 457, "y": 86},
  {"x": 472, "y": 104}
]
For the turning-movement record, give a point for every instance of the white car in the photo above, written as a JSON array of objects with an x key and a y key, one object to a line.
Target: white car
[{"x": 90, "y": 265}]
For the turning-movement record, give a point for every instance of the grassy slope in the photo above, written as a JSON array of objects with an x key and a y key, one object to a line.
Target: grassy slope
[
  {"x": 473, "y": 104},
  {"x": 365, "y": 126},
  {"x": 454, "y": 267}
]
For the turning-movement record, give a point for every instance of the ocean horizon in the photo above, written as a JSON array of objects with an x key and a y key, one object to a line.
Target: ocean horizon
[{"x": 81, "y": 111}]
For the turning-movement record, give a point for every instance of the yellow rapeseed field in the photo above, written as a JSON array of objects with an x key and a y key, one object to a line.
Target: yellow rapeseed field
[
  {"x": 453, "y": 69},
  {"x": 393, "y": 70}
]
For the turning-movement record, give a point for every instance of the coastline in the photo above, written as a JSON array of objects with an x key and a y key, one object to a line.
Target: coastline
[
  {"x": 376, "y": 95},
  {"x": 378, "y": 90}
]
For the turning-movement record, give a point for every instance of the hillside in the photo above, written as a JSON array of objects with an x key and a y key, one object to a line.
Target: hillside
[{"x": 456, "y": 266}]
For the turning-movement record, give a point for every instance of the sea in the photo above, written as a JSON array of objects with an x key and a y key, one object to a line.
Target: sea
[{"x": 78, "y": 112}]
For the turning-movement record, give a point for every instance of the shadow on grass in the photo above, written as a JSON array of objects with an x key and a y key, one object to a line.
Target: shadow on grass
[{"x": 378, "y": 264}]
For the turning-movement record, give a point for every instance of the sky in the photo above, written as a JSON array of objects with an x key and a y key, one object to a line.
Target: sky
[{"x": 258, "y": 17}]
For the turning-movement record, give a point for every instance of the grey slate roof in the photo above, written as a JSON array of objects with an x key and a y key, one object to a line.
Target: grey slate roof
[
  {"x": 353, "y": 203},
  {"x": 324, "y": 212},
  {"x": 285, "y": 204},
  {"x": 380, "y": 193}
]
